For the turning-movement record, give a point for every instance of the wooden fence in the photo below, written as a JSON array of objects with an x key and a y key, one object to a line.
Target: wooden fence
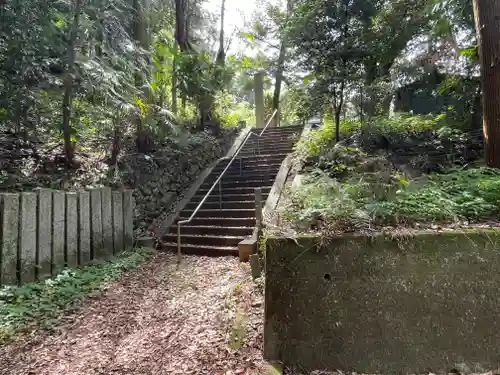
[{"x": 44, "y": 231}]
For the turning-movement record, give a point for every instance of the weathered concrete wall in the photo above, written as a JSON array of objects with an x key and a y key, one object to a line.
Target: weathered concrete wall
[
  {"x": 45, "y": 231},
  {"x": 382, "y": 305}
]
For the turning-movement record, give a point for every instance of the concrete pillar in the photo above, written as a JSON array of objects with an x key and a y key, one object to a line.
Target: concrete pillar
[
  {"x": 96, "y": 223},
  {"x": 107, "y": 221},
  {"x": 259, "y": 99},
  {"x": 9, "y": 240},
  {"x": 44, "y": 222},
  {"x": 117, "y": 222},
  {"x": 128, "y": 219},
  {"x": 27, "y": 238},
  {"x": 84, "y": 252},
  {"x": 71, "y": 229},
  {"x": 58, "y": 230}
]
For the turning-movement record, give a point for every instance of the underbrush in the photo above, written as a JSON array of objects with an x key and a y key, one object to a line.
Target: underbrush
[
  {"x": 400, "y": 171},
  {"x": 369, "y": 201},
  {"x": 323, "y": 138},
  {"x": 26, "y": 307}
]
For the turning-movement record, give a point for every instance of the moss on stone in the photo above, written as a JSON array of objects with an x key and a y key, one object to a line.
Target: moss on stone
[{"x": 384, "y": 303}]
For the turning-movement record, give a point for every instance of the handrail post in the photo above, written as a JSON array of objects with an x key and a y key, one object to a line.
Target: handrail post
[
  {"x": 178, "y": 242},
  {"x": 240, "y": 167},
  {"x": 220, "y": 194},
  {"x": 258, "y": 207}
]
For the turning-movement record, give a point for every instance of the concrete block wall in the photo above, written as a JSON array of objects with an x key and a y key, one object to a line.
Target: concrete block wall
[{"x": 44, "y": 231}]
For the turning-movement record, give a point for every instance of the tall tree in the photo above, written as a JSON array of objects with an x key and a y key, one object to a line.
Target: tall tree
[
  {"x": 68, "y": 84},
  {"x": 278, "y": 76},
  {"x": 487, "y": 17}
]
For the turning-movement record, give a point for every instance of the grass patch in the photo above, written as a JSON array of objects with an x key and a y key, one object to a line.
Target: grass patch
[
  {"x": 365, "y": 201},
  {"x": 238, "y": 331},
  {"x": 40, "y": 304}
]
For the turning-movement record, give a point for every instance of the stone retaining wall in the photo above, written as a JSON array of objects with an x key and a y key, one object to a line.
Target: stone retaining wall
[
  {"x": 426, "y": 302},
  {"x": 43, "y": 231}
]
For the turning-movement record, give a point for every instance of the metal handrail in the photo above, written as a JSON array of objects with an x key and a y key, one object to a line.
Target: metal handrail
[{"x": 188, "y": 220}]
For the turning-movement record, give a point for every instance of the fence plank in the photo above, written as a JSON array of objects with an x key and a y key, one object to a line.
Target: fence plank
[
  {"x": 107, "y": 220},
  {"x": 27, "y": 238},
  {"x": 71, "y": 229},
  {"x": 96, "y": 223},
  {"x": 44, "y": 243},
  {"x": 128, "y": 219},
  {"x": 9, "y": 238},
  {"x": 84, "y": 227},
  {"x": 118, "y": 221},
  {"x": 58, "y": 230}
]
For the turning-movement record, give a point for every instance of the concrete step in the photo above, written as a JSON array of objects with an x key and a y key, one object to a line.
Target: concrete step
[
  {"x": 245, "y": 174},
  {"x": 264, "y": 152},
  {"x": 214, "y": 197},
  {"x": 287, "y": 140},
  {"x": 211, "y": 230},
  {"x": 282, "y": 140},
  {"x": 235, "y": 190},
  {"x": 235, "y": 167},
  {"x": 241, "y": 182},
  {"x": 225, "y": 212},
  {"x": 225, "y": 204},
  {"x": 249, "y": 160},
  {"x": 190, "y": 239},
  {"x": 202, "y": 250},
  {"x": 274, "y": 131},
  {"x": 221, "y": 221},
  {"x": 283, "y": 149}
]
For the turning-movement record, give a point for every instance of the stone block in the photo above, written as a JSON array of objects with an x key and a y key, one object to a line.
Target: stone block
[
  {"x": 148, "y": 242},
  {"x": 71, "y": 229},
  {"x": 96, "y": 223},
  {"x": 27, "y": 238},
  {"x": 107, "y": 220},
  {"x": 128, "y": 219},
  {"x": 384, "y": 304},
  {"x": 118, "y": 246},
  {"x": 246, "y": 248},
  {"x": 84, "y": 241},
  {"x": 9, "y": 240},
  {"x": 255, "y": 266},
  {"x": 44, "y": 245},
  {"x": 58, "y": 230}
]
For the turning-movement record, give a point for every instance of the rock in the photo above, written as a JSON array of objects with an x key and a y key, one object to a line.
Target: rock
[{"x": 172, "y": 169}]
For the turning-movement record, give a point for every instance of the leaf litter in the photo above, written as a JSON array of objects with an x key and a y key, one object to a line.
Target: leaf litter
[{"x": 204, "y": 318}]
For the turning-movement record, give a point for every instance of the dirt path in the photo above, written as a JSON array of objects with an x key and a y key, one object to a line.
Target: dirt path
[{"x": 205, "y": 318}]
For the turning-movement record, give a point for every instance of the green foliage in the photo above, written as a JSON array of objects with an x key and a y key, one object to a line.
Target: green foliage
[
  {"x": 365, "y": 202},
  {"x": 25, "y": 307},
  {"x": 231, "y": 112},
  {"x": 321, "y": 140},
  {"x": 406, "y": 122}
]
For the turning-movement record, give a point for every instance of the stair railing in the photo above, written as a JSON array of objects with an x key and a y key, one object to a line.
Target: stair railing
[{"x": 219, "y": 183}]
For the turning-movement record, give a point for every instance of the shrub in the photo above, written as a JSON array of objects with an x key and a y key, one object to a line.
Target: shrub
[
  {"x": 370, "y": 200},
  {"x": 42, "y": 302}
]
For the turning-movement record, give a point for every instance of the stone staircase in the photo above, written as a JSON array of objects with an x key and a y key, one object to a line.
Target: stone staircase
[{"x": 226, "y": 218}]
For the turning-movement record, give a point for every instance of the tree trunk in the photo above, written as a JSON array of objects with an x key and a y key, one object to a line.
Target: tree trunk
[
  {"x": 174, "y": 84},
  {"x": 68, "y": 86},
  {"x": 278, "y": 80},
  {"x": 221, "y": 54},
  {"x": 337, "y": 125},
  {"x": 180, "y": 25},
  {"x": 141, "y": 38},
  {"x": 116, "y": 148},
  {"x": 487, "y": 17}
]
